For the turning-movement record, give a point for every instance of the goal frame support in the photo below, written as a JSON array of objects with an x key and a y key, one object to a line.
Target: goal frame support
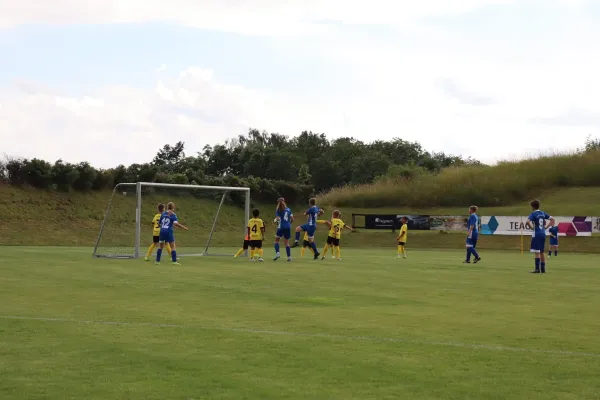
[{"x": 138, "y": 212}]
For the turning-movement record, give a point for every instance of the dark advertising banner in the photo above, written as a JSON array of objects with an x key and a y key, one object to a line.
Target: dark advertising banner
[{"x": 378, "y": 221}]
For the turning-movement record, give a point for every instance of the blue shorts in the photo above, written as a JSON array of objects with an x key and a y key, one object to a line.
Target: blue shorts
[
  {"x": 166, "y": 237},
  {"x": 285, "y": 233},
  {"x": 310, "y": 229},
  {"x": 553, "y": 241},
  {"x": 538, "y": 243},
  {"x": 472, "y": 242}
]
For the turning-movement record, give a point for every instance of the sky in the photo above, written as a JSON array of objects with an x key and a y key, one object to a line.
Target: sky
[{"x": 112, "y": 81}]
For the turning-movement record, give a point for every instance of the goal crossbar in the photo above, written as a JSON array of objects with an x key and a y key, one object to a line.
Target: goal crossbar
[{"x": 138, "y": 214}]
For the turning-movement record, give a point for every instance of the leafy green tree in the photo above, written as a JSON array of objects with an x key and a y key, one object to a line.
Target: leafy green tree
[
  {"x": 63, "y": 175},
  {"x": 37, "y": 173},
  {"x": 86, "y": 175},
  {"x": 119, "y": 175},
  {"x": 169, "y": 156},
  {"x": 369, "y": 166},
  {"x": 592, "y": 144},
  {"x": 304, "y": 176},
  {"x": 15, "y": 171}
]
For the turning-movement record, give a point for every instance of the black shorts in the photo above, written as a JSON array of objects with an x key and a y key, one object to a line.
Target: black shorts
[
  {"x": 306, "y": 243},
  {"x": 333, "y": 241},
  {"x": 256, "y": 244},
  {"x": 401, "y": 243},
  {"x": 246, "y": 244},
  {"x": 154, "y": 239}
]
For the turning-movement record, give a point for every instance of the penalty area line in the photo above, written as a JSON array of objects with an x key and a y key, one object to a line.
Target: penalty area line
[{"x": 471, "y": 346}]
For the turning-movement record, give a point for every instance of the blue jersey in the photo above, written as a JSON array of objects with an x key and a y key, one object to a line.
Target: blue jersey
[
  {"x": 554, "y": 231},
  {"x": 167, "y": 221},
  {"x": 313, "y": 214},
  {"x": 538, "y": 218},
  {"x": 285, "y": 217},
  {"x": 473, "y": 222}
]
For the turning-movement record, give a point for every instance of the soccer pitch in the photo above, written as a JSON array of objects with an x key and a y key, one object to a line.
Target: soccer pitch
[{"x": 368, "y": 327}]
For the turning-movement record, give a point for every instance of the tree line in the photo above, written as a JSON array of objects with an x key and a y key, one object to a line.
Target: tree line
[{"x": 270, "y": 164}]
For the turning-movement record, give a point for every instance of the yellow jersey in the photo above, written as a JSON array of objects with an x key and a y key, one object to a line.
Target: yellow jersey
[
  {"x": 256, "y": 226},
  {"x": 403, "y": 233},
  {"x": 155, "y": 226},
  {"x": 337, "y": 226}
]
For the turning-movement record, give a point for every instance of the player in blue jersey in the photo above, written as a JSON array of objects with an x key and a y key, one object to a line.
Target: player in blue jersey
[
  {"x": 167, "y": 221},
  {"x": 472, "y": 236},
  {"x": 284, "y": 219},
  {"x": 539, "y": 222},
  {"x": 310, "y": 227},
  {"x": 553, "y": 231}
]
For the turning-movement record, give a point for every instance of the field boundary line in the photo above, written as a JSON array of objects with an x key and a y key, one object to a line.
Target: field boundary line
[{"x": 374, "y": 339}]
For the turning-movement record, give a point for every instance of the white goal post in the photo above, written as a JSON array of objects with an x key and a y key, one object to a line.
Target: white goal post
[{"x": 133, "y": 205}]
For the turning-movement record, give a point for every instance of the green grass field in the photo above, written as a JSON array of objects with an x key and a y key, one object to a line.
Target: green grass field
[{"x": 369, "y": 327}]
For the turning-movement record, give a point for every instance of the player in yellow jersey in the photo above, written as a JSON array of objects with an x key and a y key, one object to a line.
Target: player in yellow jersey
[
  {"x": 336, "y": 226},
  {"x": 306, "y": 245},
  {"x": 244, "y": 247},
  {"x": 401, "y": 239},
  {"x": 306, "y": 242},
  {"x": 156, "y": 232},
  {"x": 256, "y": 234}
]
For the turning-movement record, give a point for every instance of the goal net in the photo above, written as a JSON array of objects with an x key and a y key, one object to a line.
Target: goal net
[{"x": 216, "y": 217}]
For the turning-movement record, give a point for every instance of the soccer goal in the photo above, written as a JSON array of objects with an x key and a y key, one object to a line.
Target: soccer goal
[{"x": 216, "y": 216}]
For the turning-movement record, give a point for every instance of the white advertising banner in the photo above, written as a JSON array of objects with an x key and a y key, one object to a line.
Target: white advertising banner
[{"x": 567, "y": 226}]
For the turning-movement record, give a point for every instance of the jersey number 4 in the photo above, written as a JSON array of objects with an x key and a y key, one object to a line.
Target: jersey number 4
[{"x": 254, "y": 229}]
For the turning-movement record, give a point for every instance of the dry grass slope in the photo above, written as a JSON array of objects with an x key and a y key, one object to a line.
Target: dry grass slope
[{"x": 506, "y": 184}]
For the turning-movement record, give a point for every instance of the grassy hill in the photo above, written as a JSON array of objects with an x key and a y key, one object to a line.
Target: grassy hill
[
  {"x": 36, "y": 217},
  {"x": 506, "y": 184}
]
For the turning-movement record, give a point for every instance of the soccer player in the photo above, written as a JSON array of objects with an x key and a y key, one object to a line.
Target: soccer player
[
  {"x": 537, "y": 221},
  {"x": 472, "y": 236},
  {"x": 284, "y": 219},
  {"x": 401, "y": 239},
  {"x": 256, "y": 234},
  {"x": 553, "y": 241},
  {"x": 336, "y": 226},
  {"x": 167, "y": 221},
  {"x": 306, "y": 245},
  {"x": 310, "y": 227},
  {"x": 156, "y": 232},
  {"x": 244, "y": 247}
]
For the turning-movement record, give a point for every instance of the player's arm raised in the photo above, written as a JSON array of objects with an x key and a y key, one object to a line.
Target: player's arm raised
[{"x": 551, "y": 222}]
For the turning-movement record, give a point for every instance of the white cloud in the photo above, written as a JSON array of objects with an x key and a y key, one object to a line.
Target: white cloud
[
  {"x": 256, "y": 17},
  {"x": 390, "y": 92},
  {"x": 124, "y": 125}
]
